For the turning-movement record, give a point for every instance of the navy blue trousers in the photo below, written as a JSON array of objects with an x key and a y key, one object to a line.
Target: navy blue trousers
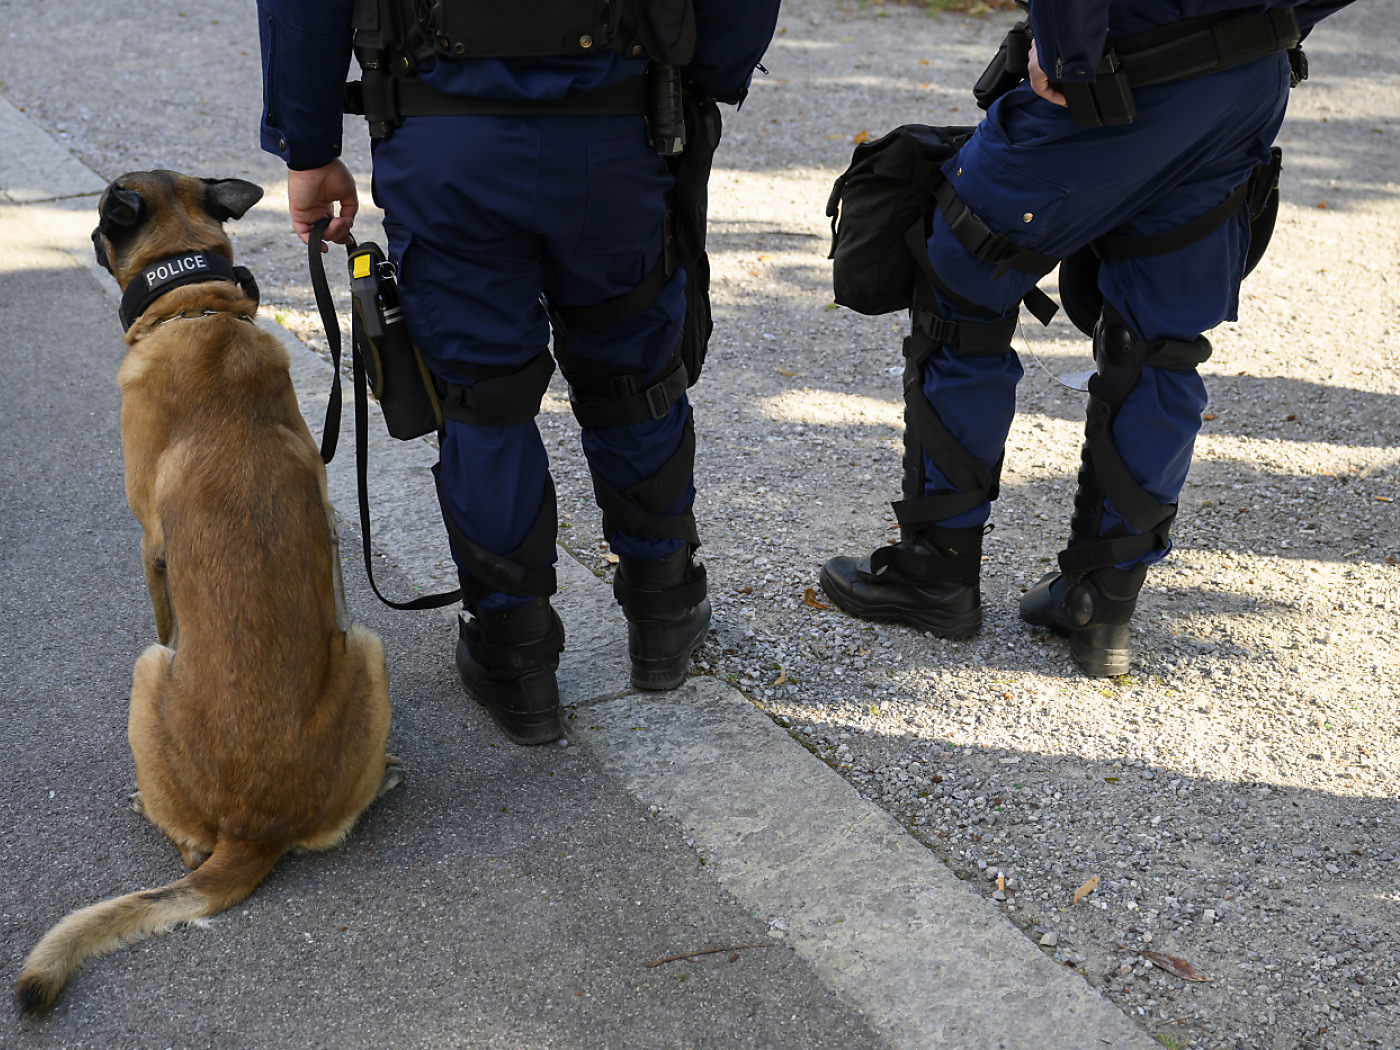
[
  {"x": 1033, "y": 176},
  {"x": 483, "y": 214}
]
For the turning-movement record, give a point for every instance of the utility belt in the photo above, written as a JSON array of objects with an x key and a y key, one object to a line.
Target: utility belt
[
  {"x": 1184, "y": 50},
  {"x": 385, "y": 100}
]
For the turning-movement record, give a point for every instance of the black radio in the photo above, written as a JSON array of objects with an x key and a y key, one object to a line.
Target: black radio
[{"x": 397, "y": 376}]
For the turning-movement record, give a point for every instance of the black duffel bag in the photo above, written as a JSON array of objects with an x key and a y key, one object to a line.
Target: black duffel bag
[{"x": 888, "y": 187}]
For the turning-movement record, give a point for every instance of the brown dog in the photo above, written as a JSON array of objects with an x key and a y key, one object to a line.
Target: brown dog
[{"x": 258, "y": 722}]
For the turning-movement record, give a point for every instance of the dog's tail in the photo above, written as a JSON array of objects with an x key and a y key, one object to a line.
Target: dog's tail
[{"x": 232, "y": 872}]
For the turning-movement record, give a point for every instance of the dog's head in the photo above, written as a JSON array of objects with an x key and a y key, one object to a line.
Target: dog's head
[{"x": 148, "y": 215}]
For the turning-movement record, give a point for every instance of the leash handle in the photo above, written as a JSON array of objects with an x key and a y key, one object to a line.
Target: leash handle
[{"x": 331, "y": 433}]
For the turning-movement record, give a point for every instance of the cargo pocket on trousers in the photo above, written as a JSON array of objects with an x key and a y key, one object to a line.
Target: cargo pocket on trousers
[
  {"x": 1009, "y": 199},
  {"x": 627, "y": 187}
]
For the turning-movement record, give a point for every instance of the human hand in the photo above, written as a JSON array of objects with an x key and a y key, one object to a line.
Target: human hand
[
  {"x": 1040, "y": 83},
  {"x": 311, "y": 196}
]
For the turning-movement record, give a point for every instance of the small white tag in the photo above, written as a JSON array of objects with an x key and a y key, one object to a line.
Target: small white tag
[{"x": 1076, "y": 380}]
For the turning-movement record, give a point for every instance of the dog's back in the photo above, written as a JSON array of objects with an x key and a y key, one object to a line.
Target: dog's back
[{"x": 259, "y": 724}]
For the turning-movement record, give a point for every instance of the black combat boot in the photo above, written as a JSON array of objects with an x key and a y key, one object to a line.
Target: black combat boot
[
  {"x": 1093, "y": 610},
  {"x": 507, "y": 661},
  {"x": 929, "y": 580},
  {"x": 668, "y": 616}
]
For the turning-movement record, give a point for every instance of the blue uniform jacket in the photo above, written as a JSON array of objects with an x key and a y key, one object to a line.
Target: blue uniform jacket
[
  {"x": 306, "y": 49},
  {"x": 1069, "y": 34}
]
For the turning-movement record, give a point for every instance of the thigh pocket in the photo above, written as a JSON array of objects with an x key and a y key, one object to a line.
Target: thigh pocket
[
  {"x": 627, "y": 186},
  {"x": 1007, "y": 198}
]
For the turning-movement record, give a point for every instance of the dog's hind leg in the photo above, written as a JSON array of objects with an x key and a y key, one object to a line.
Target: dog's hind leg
[
  {"x": 153, "y": 561},
  {"x": 158, "y": 793},
  {"x": 361, "y": 693},
  {"x": 393, "y": 776},
  {"x": 342, "y": 614}
]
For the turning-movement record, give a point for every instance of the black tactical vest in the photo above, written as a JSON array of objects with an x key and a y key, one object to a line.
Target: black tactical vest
[{"x": 414, "y": 30}]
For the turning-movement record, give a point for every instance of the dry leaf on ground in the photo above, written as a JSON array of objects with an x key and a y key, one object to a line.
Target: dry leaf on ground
[
  {"x": 1174, "y": 966},
  {"x": 809, "y": 597},
  {"x": 1086, "y": 889}
]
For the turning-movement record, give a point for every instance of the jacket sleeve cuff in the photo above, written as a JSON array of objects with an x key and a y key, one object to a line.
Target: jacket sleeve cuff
[
  {"x": 299, "y": 155},
  {"x": 731, "y": 40}
]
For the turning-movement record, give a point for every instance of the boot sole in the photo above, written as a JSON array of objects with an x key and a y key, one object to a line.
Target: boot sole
[
  {"x": 1099, "y": 663},
  {"x": 960, "y": 625},
  {"x": 663, "y": 677},
  {"x": 1095, "y": 660}
]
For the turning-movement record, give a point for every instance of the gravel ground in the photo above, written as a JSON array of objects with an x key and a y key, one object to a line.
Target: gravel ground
[{"x": 1234, "y": 793}]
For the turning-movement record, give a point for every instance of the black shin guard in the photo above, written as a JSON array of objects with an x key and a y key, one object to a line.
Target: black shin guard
[
  {"x": 507, "y": 658},
  {"x": 1089, "y": 599},
  {"x": 527, "y": 572},
  {"x": 1120, "y": 357},
  {"x": 930, "y": 578}
]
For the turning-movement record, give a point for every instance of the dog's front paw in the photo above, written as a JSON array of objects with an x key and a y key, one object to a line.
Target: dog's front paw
[{"x": 134, "y": 803}]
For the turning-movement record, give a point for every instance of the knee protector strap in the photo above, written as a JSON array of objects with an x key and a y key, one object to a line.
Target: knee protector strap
[
  {"x": 606, "y": 396},
  {"x": 498, "y": 398}
]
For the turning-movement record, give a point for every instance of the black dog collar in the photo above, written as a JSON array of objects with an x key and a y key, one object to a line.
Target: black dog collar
[{"x": 159, "y": 277}]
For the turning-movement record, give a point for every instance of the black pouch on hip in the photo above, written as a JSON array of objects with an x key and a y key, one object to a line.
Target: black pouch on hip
[{"x": 398, "y": 379}]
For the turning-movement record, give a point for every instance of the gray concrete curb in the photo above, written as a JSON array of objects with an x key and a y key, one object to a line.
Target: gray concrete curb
[{"x": 883, "y": 922}]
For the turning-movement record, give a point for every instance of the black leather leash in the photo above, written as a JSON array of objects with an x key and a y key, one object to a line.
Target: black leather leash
[{"x": 331, "y": 432}]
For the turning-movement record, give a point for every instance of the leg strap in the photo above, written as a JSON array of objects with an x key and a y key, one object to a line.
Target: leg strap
[
  {"x": 485, "y": 572},
  {"x": 1120, "y": 357},
  {"x": 511, "y": 655},
  {"x": 622, "y": 308},
  {"x": 603, "y": 395},
  {"x": 498, "y": 397},
  {"x": 607, "y": 396},
  {"x": 973, "y": 484},
  {"x": 640, "y": 510},
  {"x": 934, "y": 555},
  {"x": 649, "y": 604}
]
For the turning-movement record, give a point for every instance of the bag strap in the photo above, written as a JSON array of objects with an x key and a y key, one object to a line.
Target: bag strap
[
  {"x": 1177, "y": 237},
  {"x": 331, "y": 323},
  {"x": 985, "y": 243},
  {"x": 1041, "y": 306}
]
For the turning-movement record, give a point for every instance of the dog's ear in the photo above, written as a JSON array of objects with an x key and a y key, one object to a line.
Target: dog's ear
[
  {"x": 226, "y": 199},
  {"x": 100, "y": 250},
  {"x": 121, "y": 210}
]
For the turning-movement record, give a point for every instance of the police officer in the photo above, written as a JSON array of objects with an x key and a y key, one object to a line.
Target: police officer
[
  {"x": 1139, "y": 147},
  {"x": 516, "y": 156}
]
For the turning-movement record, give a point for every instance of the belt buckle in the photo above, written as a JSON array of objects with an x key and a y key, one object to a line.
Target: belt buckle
[{"x": 657, "y": 402}]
